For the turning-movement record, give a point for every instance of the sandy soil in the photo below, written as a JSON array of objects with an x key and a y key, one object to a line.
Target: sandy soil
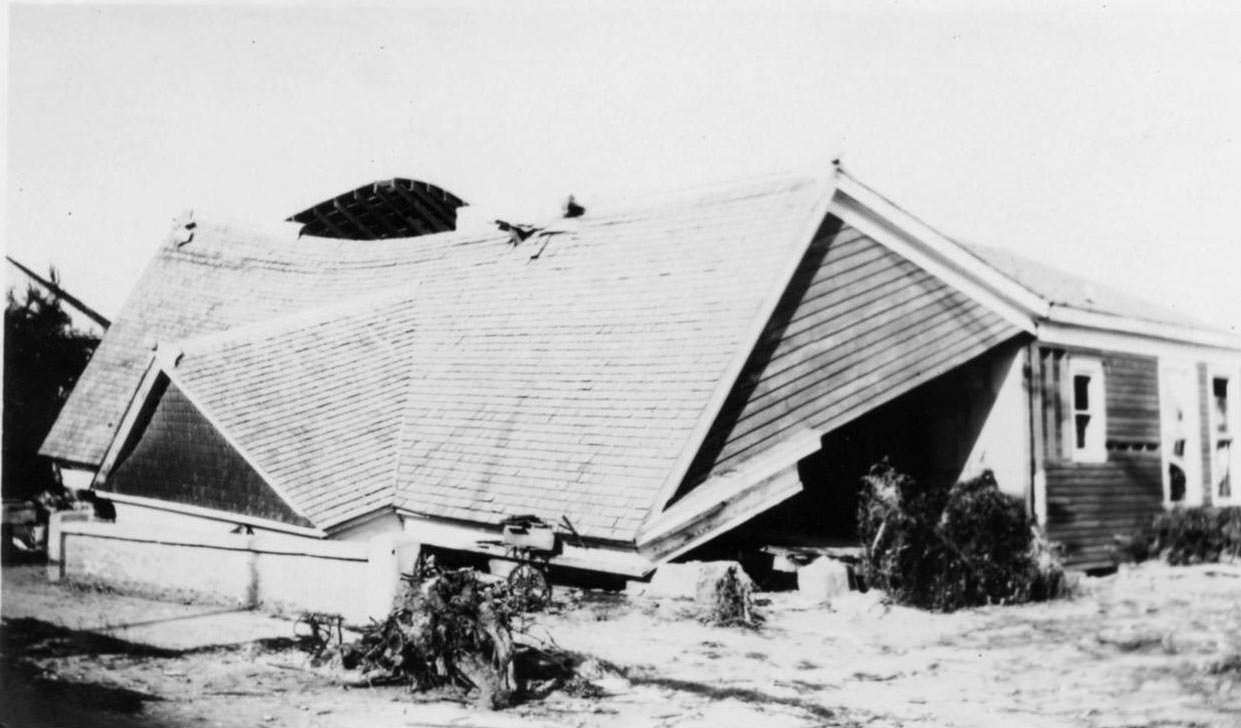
[{"x": 1150, "y": 646}]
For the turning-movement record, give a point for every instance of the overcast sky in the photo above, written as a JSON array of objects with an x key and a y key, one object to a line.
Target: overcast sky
[{"x": 1100, "y": 139}]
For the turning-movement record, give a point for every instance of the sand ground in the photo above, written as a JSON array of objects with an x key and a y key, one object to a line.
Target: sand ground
[{"x": 1150, "y": 646}]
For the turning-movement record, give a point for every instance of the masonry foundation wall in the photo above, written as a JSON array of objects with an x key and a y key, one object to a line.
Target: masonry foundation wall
[{"x": 356, "y": 580}]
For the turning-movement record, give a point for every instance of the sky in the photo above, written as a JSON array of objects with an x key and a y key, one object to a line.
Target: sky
[{"x": 1099, "y": 138}]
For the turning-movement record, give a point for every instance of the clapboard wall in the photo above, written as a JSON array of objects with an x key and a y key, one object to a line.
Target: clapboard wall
[
  {"x": 175, "y": 454},
  {"x": 858, "y": 326},
  {"x": 1090, "y": 504}
]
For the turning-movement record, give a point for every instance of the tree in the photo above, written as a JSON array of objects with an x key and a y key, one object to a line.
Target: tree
[{"x": 43, "y": 357}]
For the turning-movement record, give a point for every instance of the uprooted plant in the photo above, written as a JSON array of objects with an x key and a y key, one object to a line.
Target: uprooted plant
[
  {"x": 455, "y": 631},
  {"x": 944, "y": 548},
  {"x": 730, "y": 600}
]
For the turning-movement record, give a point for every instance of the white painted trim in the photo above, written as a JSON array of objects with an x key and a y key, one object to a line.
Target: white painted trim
[
  {"x": 120, "y": 435},
  {"x": 211, "y": 514},
  {"x": 729, "y": 485},
  {"x": 826, "y": 186},
  {"x": 958, "y": 259},
  {"x": 1054, "y": 333},
  {"x": 434, "y": 532},
  {"x": 1147, "y": 329},
  {"x": 917, "y": 252},
  {"x": 940, "y": 255},
  {"x": 788, "y": 484},
  {"x": 1095, "y": 449},
  {"x": 1192, "y": 460},
  {"x": 1233, "y": 404}
]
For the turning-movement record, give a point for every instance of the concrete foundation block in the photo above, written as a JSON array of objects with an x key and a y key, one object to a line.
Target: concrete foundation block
[
  {"x": 692, "y": 580},
  {"x": 55, "y": 541},
  {"x": 501, "y": 567},
  {"x": 823, "y": 579},
  {"x": 390, "y": 555}
]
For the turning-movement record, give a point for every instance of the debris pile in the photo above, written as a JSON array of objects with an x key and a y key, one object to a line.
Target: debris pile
[
  {"x": 461, "y": 631},
  {"x": 944, "y": 548}
]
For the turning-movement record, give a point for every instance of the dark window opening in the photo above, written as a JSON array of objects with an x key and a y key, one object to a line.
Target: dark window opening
[
  {"x": 1081, "y": 393},
  {"x": 1083, "y": 425},
  {"x": 1219, "y": 388}
]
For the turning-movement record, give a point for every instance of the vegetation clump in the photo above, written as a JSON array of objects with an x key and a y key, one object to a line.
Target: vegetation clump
[
  {"x": 454, "y": 631},
  {"x": 1195, "y": 535},
  {"x": 729, "y": 599},
  {"x": 460, "y": 631},
  {"x": 948, "y": 547},
  {"x": 43, "y": 358}
]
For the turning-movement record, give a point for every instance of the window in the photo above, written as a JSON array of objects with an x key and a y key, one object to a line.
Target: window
[
  {"x": 1088, "y": 429},
  {"x": 1223, "y": 425},
  {"x": 1182, "y": 436}
]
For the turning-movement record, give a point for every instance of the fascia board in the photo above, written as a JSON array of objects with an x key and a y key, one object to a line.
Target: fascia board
[
  {"x": 1058, "y": 333},
  {"x": 939, "y": 256},
  {"x": 1071, "y": 317},
  {"x": 213, "y": 514},
  {"x": 826, "y": 184}
]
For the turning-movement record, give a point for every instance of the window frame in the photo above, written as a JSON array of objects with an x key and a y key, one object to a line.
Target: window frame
[
  {"x": 1233, "y": 429},
  {"x": 1095, "y": 448},
  {"x": 1180, "y": 377}
]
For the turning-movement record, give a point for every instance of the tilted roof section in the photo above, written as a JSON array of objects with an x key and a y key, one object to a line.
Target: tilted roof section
[
  {"x": 1064, "y": 289},
  {"x": 314, "y": 400},
  {"x": 572, "y": 384},
  {"x": 392, "y": 208},
  {"x": 228, "y": 276},
  {"x": 564, "y": 376}
]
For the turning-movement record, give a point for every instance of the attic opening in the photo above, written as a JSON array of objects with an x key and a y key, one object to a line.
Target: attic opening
[{"x": 382, "y": 210}]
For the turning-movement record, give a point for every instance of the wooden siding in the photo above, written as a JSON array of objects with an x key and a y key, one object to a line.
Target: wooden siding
[
  {"x": 177, "y": 455},
  {"x": 1090, "y": 504},
  {"x": 858, "y": 326},
  {"x": 1208, "y": 438}
]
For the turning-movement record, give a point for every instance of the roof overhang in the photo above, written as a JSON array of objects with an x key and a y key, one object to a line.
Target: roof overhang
[
  {"x": 877, "y": 217},
  {"x": 212, "y": 514},
  {"x": 727, "y": 501},
  {"x": 474, "y": 538},
  {"x": 1061, "y": 318}
]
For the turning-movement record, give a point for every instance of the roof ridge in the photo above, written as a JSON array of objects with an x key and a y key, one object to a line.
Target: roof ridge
[{"x": 704, "y": 191}]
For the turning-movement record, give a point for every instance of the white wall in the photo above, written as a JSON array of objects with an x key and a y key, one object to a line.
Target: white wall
[
  {"x": 284, "y": 574},
  {"x": 368, "y": 528},
  {"x": 1003, "y": 444},
  {"x": 141, "y": 516}
]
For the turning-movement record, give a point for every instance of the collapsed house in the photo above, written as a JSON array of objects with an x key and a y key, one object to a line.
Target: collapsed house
[{"x": 652, "y": 378}]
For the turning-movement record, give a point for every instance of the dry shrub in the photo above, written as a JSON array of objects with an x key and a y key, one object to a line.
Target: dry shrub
[
  {"x": 453, "y": 632},
  {"x": 730, "y": 600},
  {"x": 944, "y": 548},
  {"x": 1195, "y": 535}
]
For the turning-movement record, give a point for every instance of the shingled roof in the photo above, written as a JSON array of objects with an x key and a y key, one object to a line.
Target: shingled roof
[
  {"x": 566, "y": 375},
  {"x": 227, "y": 276}
]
